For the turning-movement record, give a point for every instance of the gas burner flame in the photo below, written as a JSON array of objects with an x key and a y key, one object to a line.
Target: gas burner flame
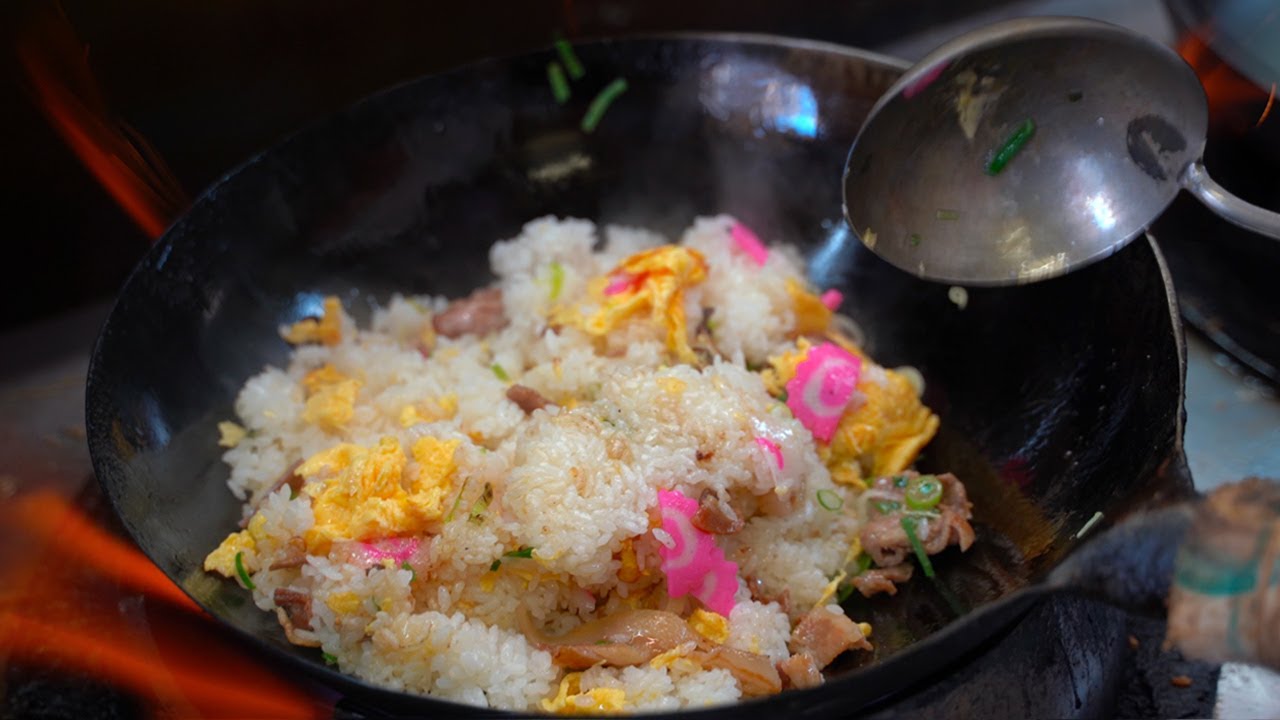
[
  {"x": 79, "y": 600},
  {"x": 1235, "y": 101},
  {"x": 62, "y": 85}
]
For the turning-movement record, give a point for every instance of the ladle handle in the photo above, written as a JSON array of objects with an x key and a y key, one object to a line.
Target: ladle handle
[{"x": 1227, "y": 206}]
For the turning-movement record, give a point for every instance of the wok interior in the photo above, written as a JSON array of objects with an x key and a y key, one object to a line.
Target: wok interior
[{"x": 1057, "y": 400}]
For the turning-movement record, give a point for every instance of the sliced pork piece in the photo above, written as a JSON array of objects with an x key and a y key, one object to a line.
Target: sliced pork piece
[
  {"x": 296, "y": 606},
  {"x": 824, "y": 634},
  {"x": 293, "y": 556},
  {"x": 715, "y": 515},
  {"x": 479, "y": 313},
  {"x": 881, "y": 580},
  {"x": 885, "y": 540},
  {"x": 755, "y": 673},
  {"x": 526, "y": 398},
  {"x": 800, "y": 671}
]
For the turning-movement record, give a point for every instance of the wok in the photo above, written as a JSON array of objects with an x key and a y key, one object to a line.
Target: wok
[{"x": 1058, "y": 400}]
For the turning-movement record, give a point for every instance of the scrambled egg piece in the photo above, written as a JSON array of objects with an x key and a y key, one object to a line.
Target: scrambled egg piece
[
  {"x": 327, "y": 330},
  {"x": 362, "y": 494},
  {"x": 812, "y": 317},
  {"x": 331, "y": 398},
  {"x": 712, "y": 626},
  {"x": 223, "y": 559},
  {"x": 596, "y": 701},
  {"x": 230, "y": 434},
  {"x": 881, "y": 435},
  {"x": 652, "y": 280},
  {"x": 343, "y": 603},
  {"x": 442, "y": 408}
]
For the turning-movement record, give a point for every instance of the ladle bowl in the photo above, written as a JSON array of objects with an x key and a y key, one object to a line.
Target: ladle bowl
[{"x": 1028, "y": 148}]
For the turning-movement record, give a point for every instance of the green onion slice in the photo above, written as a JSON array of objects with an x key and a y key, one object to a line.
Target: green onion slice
[
  {"x": 242, "y": 573},
  {"x": 1011, "y": 146},
  {"x": 500, "y": 373},
  {"x": 843, "y": 592},
  {"x": 601, "y": 102},
  {"x": 909, "y": 527},
  {"x": 477, "y": 510},
  {"x": 457, "y": 501},
  {"x": 559, "y": 86},
  {"x": 862, "y": 563},
  {"x": 570, "y": 59},
  {"x": 557, "y": 280},
  {"x": 944, "y": 214},
  {"x": 924, "y": 492},
  {"x": 329, "y": 659},
  {"x": 406, "y": 566},
  {"x": 830, "y": 499},
  {"x": 524, "y": 552},
  {"x": 493, "y": 566},
  {"x": 887, "y": 506}
]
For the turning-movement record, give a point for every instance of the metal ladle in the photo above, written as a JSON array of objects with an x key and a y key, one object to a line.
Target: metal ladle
[{"x": 1029, "y": 148}]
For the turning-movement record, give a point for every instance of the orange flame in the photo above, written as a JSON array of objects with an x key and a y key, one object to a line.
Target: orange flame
[
  {"x": 1234, "y": 100},
  {"x": 60, "y": 606},
  {"x": 63, "y": 86}
]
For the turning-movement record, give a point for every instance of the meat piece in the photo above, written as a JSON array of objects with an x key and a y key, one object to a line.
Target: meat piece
[
  {"x": 824, "y": 634},
  {"x": 296, "y": 606},
  {"x": 715, "y": 515},
  {"x": 877, "y": 580},
  {"x": 479, "y": 313},
  {"x": 885, "y": 540},
  {"x": 289, "y": 477},
  {"x": 800, "y": 671},
  {"x": 526, "y": 398},
  {"x": 761, "y": 595},
  {"x": 629, "y": 637},
  {"x": 294, "y": 555},
  {"x": 755, "y": 673}
]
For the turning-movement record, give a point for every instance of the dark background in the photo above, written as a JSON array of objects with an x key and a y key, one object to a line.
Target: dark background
[{"x": 208, "y": 84}]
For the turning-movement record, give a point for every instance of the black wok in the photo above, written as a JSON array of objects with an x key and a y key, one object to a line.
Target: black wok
[{"x": 1058, "y": 400}]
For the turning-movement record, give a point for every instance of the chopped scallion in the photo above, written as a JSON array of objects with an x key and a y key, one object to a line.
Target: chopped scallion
[
  {"x": 482, "y": 504},
  {"x": 557, "y": 280},
  {"x": 457, "y": 501},
  {"x": 830, "y": 499},
  {"x": 601, "y": 102},
  {"x": 242, "y": 573},
  {"x": 524, "y": 552},
  {"x": 493, "y": 566},
  {"x": 909, "y": 525},
  {"x": 406, "y": 566},
  {"x": 924, "y": 492},
  {"x": 862, "y": 563},
  {"x": 1011, "y": 146},
  {"x": 914, "y": 239},
  {"x": 782, "y": 396},
  {"x": 559, "y": 86},
  {"x": 329, "y": 659},
  {"x": 843, "y": 592},
  {"x": 570, "y": 59},
  {"x": 944, "y": 214},
  {"x": 500, "y": 373},
  {"x": 887, "y": 506}
]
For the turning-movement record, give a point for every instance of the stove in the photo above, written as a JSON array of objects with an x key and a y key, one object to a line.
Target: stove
[{"x": 90, "y": 628}]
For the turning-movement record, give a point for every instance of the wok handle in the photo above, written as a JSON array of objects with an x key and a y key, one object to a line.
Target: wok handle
[
  {"x": 1227, "y": 206},
  {"x": 1215, "y": 562}
]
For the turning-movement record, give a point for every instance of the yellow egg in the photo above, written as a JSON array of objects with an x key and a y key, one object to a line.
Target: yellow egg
[
  {"x": 569, "y": 701},
  {"x": 651, "y": 281},
  {"x": 360, "y": 495},
  {"x": 230, "y": 434},
  {"x": 223, "y": 559},
  {"x": 331, "y": 398},
  {"x": 812, "y": 317},
  {"x": 710, "y": 625}
]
